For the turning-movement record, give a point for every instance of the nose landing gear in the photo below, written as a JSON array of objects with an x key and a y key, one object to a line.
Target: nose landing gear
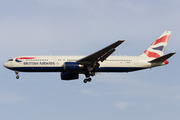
[{"x": 17, "y": 75}]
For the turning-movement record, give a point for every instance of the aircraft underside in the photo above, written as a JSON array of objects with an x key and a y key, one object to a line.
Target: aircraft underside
[
  {"x": 60, "y": 69},
  {"x": 73, "y": 74}
]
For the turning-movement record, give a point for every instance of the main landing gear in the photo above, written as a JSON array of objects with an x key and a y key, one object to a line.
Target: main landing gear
[
  {"x": 90, "y": 72},
  {"x": 17, "y": 75},
  {"x": 88, "y": 79}
]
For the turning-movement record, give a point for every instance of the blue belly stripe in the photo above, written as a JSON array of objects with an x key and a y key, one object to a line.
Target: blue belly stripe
[
  {"x": 61, "y": 69},
  {"x": 37, "y": 69}
]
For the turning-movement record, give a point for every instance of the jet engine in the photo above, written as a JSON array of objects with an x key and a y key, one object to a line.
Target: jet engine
[
  {"x": 72, "y": 66},
  {"x": 69, "y": 75}
]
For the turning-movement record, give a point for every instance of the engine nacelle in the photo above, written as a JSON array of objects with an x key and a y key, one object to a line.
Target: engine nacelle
[
  {"x": 72, "y": 66},
  {"x": 69, "y": 75}
]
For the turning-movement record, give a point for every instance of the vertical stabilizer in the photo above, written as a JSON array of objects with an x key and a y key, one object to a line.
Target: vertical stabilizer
[{"x": 157, "y": 48}]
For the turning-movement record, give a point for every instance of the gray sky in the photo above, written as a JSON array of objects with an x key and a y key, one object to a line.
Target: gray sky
[{"x": 81, "y": 27}]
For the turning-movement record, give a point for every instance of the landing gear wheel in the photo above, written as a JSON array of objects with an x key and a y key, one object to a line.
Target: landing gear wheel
[
  {"x": 17, "y": 74},
  {"x": 85, "y": 80},
  {"x": 89, "y": 79},
  {"x": 17, "y": 77},
  {"x": 88, "y": 74}
]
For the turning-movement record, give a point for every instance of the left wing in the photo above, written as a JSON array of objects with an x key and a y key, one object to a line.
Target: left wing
[{"x": 100, "y": 55}]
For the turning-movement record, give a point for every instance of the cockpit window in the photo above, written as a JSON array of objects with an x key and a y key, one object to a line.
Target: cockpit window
[{"x": 10, "y": 60}]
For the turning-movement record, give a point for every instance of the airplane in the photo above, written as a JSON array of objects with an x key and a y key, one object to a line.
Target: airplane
[{"x": 100, "y": 61}]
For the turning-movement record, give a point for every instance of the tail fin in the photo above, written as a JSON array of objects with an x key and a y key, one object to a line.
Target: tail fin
[{"x": 157, "y": 48}]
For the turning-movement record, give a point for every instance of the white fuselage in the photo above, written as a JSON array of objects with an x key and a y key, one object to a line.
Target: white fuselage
[{"x": 56, "y": 63}]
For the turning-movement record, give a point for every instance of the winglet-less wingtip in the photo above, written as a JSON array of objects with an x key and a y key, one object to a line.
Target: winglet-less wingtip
[{"x": 121, "y": 40}]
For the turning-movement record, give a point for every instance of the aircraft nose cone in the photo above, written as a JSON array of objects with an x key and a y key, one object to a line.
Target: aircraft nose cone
[{"x": 5, "y": 65}]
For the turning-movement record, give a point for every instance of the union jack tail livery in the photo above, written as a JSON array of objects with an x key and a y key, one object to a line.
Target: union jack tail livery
[{"x": 157, "y": 48}]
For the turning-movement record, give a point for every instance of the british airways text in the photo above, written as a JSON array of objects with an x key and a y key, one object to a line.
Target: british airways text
[{"x": 39, "y": 63}]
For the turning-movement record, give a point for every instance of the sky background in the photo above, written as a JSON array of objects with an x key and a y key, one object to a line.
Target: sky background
[{"x": 81, "y": 27}]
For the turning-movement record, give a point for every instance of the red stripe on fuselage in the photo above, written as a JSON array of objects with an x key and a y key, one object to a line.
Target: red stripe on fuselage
[{"x": 26, "y": 58}]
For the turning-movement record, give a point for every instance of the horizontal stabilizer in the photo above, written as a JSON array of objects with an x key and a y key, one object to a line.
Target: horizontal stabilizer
[{"x": 162, "y": 59}]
